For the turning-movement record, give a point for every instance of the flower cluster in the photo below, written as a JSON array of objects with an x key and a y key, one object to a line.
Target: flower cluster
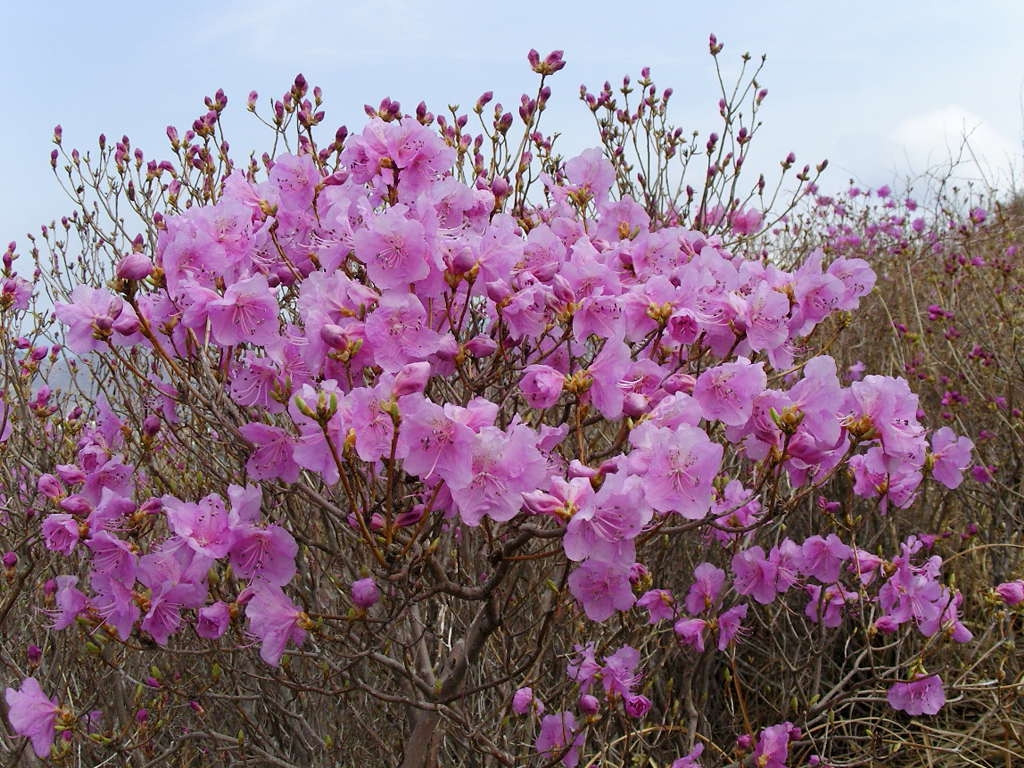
[{"x": 433, "y": 370}]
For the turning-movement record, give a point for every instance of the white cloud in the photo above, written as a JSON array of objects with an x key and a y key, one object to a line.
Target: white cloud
[{"x": 940, "y": 137}]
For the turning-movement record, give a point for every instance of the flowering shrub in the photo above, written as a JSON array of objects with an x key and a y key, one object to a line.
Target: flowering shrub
[{"x": 387, "y": 453}]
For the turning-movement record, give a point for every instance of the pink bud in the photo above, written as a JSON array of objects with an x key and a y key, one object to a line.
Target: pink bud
[
  {"x": 462, "y": 261},
  {"x": 76, "y": 505},
  {"x": 679, "y": 382},
  {"x": 134, "y": 266},
  {"x": 637, "y": 706},
  {"x": 886, "y": 624},
  {"x": 365, "y": 593},
  {"x": 50, "y": 487},
  {"x": 637, "y": 572},
  {"x": 523, "y": 701},
  {"x": 1011, "y": 592},
  {"x": 541, "y": 503},
  {"x": 412, "y": 378},
  {"x": 634, "y": 404},
  {"x": 334, "y": 336},
  {"x": 589, "y": 705},
  {"x": 481, "y": 346},
  {"x": 563, "y": 291}
]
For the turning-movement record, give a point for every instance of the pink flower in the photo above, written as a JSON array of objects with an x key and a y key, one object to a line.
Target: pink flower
[
  {"x": 559, "y": 738},
  {"x": 746, "y": 222},
  {"x": 755, "y": 575},
  {"x": 705, "y": 589},
  {"x": 275, "y": 620},
  {"x": 71, "y": 602},
  {"x": 401, "y": 151},
  {"x": 773, "y": 746},
  {"x": 213, "y": 620},
  {"x": 33, "y": 715},
  {"x": 727, "y": 391},
  {"x": 606, "y": 523},
  {"x": 433, "y": 440},
  {"x": 175, "y": 564},
  {"x": 690, "y": 760},
  {"x": 950, "y": 457},
  {"x": 60, "y": 531},
  {"x": 112, "y": 556},
  {"x": 541, "y": 385},
  {"x": 264, "y": 554},
  {"x": 134, "y": 266},
  {"x": 114, "y": 602},
  {"x": 583, "y": 667},
  {"x": 857, "y": 277},
  {"x": 588, "y": 705},
  {"x": 603, "y": 588},
  {"x": 203, "y": 525},
  {"x": 619, "y": 675},
  {"x": 766, "y": 315},
  {"x": 691, "y": 633},
  {"x": 90, "y": 316},
  {"x": 591, "y": 171},
  {"x": 607, "y": 374},
  {"x": 823, "y": 557},
  {"x": 272, "y": 454},
  {"x": 504, "y": 465},
  {"x": 296, "y": 178},
  {"x": 524, "y": 701},
  {"x": 394, "y": 248},
  {"x": 921, "y": 696},
  {"x": 246, "y": 313},
  {"x": 827, "y": 604},
  {"x": 678, "y": 467},
  {"x": 730, "y": 625},
  {"x": 399, "y": 333},
  {"x": 659, "y": 605}
]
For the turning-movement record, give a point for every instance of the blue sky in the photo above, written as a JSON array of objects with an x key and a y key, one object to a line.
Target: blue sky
[{"x": 879, "y": 88}]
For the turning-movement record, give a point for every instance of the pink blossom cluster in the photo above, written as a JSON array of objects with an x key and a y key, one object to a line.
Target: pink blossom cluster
[
  {"x": 339, "y": 306},
  {"x": 150, "y": 590}
]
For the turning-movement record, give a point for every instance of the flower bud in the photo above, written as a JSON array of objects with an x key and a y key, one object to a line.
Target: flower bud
[
  {"x": 589, "y": 705},
  {"x": 76, "y": 505},
  {"x": 134, "y": 266},
  {"x": 1011, "y": 592},
  {"x": 634, "y": 404},
  {"x": 481, "y": 346},
  {"x": 365, "y": 593},
  {"x": 334, "y": 336},
  {"x": 523, "y": 701},
  {"x": 50, "y": 487},
  {"x": 886, "y": 625},
  {"x": 637, "y": 706},
  {"x": 412, "y": 378}
]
